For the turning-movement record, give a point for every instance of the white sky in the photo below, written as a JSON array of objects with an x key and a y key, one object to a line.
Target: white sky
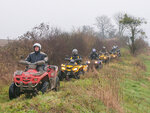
[{"x": 19, "y": 16}]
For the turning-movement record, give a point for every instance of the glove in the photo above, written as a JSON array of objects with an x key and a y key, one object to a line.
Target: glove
[
  {"x": 39, "y": 62},
  {"x": 24, "y": 62}
]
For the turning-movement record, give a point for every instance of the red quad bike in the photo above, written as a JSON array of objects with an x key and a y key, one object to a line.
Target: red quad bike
[{"x": 31, "y": 81}]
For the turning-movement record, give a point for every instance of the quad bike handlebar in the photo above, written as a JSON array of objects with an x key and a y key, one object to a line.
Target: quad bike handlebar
[
  {"x": 68, "y": 59},
  {"x": 24, "y": 62},
  {"x": 29, "y": 63}
]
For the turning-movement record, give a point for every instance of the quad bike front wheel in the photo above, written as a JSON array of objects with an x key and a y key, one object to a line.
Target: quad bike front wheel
[
  {"x": 77, "y": 76},
  {"x": 99, "y": 66},
  {"x": 45, "y": 87},
  {"x": 60, "y": 75},
  {"x": 57, "y": 84},
  {"x": 67, "y": 77},
  {"x": 14, "y": 91}
]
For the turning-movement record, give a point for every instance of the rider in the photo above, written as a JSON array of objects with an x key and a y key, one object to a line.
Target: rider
[
  {"x": 113, "y": 50},
  {"x": 94, "y": 55},
  {"x": 75, "y": 56},
  {"x": 103, "y": 51},
  {"x": 37, "y": 57}
]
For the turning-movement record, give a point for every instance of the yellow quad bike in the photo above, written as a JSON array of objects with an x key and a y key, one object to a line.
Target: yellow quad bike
[
  {"x": 105, "y": 57},
  {"x": 113, "y": 55},
  {"x": 97, "y": 64},
  {"x": 72, "y": 69}
]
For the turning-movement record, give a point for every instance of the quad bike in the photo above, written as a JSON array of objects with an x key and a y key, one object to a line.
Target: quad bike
[
  {"x": 97, "y": 64},
  {"x": 105, "y": 57},
  {"x": 72, "y": 69},
  {"x": 31, "y": 81},
  {"x": 113, "y": 55}
]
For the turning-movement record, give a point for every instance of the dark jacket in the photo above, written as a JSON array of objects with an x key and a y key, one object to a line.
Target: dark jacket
[
  {"x": 113, "y": 50},
  {"x": 76, "y": 57},
  {"x": 94, "y": 56},
  {"x": 37, "y": 56},
  {"x": 103, "y": 50}
]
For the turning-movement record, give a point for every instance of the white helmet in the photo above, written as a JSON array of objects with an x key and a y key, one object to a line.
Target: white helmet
[
  {"x": 38, "y": 45},
  {"x": 104, "y": 47},
  {"x": 75, "y": 51},
  {"x": 113, "y": 47}
]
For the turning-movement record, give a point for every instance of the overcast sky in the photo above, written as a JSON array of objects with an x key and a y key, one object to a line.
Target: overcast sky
[{"x": 19, "y": 16}]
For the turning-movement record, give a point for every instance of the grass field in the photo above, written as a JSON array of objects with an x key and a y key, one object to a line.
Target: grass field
[{"x": 122, "y": 86}]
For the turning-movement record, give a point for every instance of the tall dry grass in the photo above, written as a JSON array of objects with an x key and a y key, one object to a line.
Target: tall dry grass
[{"x": 106, "y": 86}]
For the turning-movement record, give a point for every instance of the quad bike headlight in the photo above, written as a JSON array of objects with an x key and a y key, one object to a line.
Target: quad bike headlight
[
  {"x": 75, "y": 69},
  {"x": 18, "y": 73},
  {"x": 88, "y": 62},
  {"x": 63, "y": 68},
  {"x": 35, "y": 79},
  {"x": 96, "y": 62},
  {"x": 62, "y": 65}
]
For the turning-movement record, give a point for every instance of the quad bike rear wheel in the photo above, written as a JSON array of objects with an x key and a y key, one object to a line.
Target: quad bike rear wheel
[{"x": 14, "y": 91}]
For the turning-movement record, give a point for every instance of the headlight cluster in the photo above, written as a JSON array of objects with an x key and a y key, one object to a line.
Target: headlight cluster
[
  {"x": 88, "y": 62},
  {"x": 75, "y": 69},
  {"x": 63, "y": 68},
  {"x": 62, "y": 65},
  {"x": 18, "y": 73},
  {"x": 35, "y": 79},
  {"x": 96, "y": 62}
]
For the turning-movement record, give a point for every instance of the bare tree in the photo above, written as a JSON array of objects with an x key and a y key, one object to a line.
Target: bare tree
[
  {"x": 105, "y": 26},
  {"x": 121, "y": 27}
]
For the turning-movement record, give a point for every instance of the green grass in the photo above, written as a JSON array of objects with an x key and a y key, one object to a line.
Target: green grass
[
  {"x": 4, "y": 94},
  {"x": 136, "y": 92},
  {"x": 121, "y": 86},
  {"x": 71, "y": 98}
]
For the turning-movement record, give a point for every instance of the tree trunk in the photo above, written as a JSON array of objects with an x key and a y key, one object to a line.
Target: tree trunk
[{"x": 133, "y": 48}]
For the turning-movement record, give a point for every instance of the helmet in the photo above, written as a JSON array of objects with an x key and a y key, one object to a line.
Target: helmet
[
  {"x": 93, "y": 50},
  {"x": 75, "y": 51},
  {"x": 104, "y": 47},
  {"x": 38, "y": 45}
]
